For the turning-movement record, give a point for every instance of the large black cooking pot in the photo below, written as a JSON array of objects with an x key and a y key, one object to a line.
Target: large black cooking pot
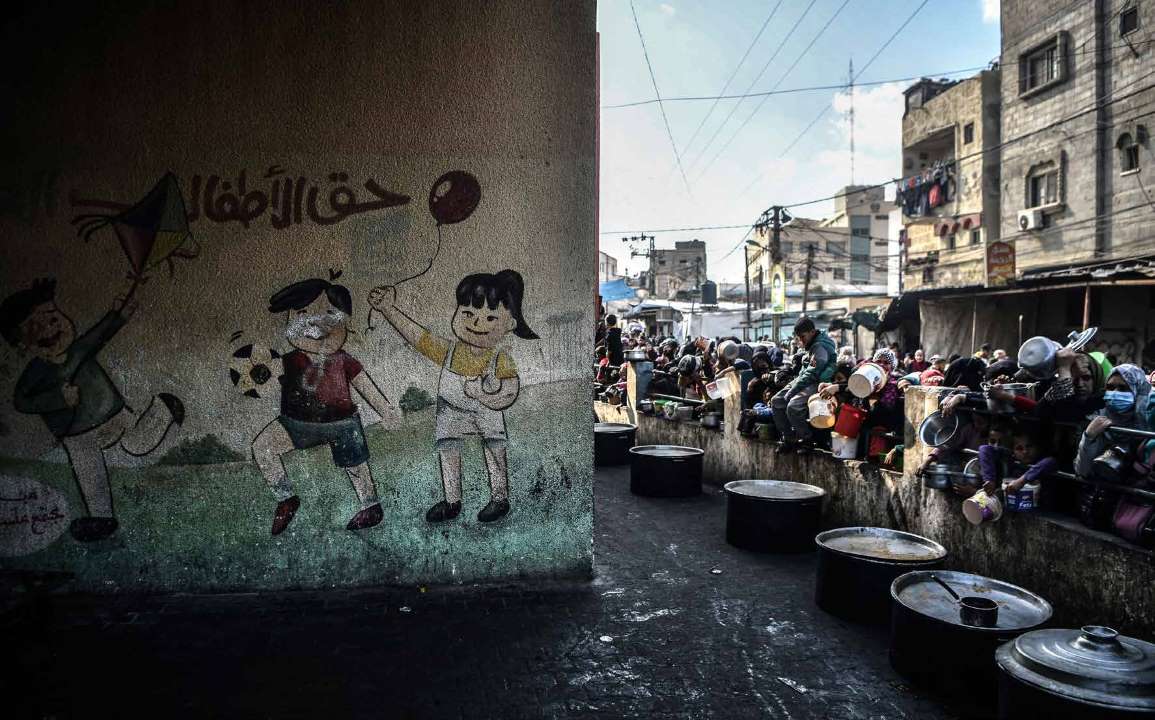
[
  {"x": 1093, "y": 673},
  {"x": 612, "y": 442},
  {"x": 932, "y": 645},
  {"x": 856, "y": 566},
  {"x": 665, "y": 470},
  {"x": 772, "y": 515}
]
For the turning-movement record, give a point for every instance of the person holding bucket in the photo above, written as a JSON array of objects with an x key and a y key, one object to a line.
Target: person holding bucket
[{"x": 791, "y": 415}]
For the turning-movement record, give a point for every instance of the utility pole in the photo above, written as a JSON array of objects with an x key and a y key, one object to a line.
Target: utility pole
[
  {"x": 746, "y": 275},
  {"x": 809, "y": 268},
  {"x": 651, "y": 254},
  {"x": 775, "y": 260},
  {"x": 850, "y": 116}
]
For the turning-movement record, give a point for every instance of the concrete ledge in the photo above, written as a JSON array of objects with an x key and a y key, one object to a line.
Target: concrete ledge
[{"x": 1090, "y": 577}]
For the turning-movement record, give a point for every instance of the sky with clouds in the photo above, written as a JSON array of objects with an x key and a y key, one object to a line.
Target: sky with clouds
[{"x": 733, "y": 151}]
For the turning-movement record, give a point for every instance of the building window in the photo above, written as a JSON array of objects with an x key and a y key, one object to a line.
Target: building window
[
  {"x": 1042, "y": 67},
  {"x": 951, "y": 241},
  {"x": 835, "y": 248},
  {"x": 976, "y": 237},
  {"x": 928, "y": 274},
  {"x": 1043, "y": 184},
  {"x": 839, "y": 274},
  {"x": 683, "y": 262},
  {"x": 661, "y": 262},
  {"x": 1129, "y": 21},
  {"x": 968, "y": 133},
  {"x": 1128, "y": 147}
]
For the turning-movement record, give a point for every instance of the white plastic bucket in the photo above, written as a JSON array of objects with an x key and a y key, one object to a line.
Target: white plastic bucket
[
  {"x": 821, "y": 412},
  {"x": 980, "y": 508},
  {"x": 718, "y": 389},
  {"x": 867, "y": 380},
  {"x": 844, "y": 448}
]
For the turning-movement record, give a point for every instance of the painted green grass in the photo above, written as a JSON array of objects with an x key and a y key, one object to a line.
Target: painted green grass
[{"x": 206, "y": 527}]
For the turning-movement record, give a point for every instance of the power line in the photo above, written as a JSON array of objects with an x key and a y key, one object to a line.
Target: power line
[
  {"x": 658, "y": 95},
  {"x": 734, "y": 109},
  {"x": 840, "y": 86},
  {"x": 1102, "y": 101},
  {"x": 776, "y": 85},
  {"x": 726, "y": 86}
]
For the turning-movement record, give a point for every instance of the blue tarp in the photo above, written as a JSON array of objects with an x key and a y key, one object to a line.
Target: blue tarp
[{"x": 612, "y": 290}]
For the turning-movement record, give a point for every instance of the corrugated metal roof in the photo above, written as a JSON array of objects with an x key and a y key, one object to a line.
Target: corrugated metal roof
[{"x": 1144, "y": 267}]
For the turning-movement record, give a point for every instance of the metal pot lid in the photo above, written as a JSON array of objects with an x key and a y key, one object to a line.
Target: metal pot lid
[
  {"x": 774, "y": 490},
  {"x": 1095, "y": 665},
  {"x": 666, "y": 451},
  {"x": 609, "y": 427},
  {"x": 1019, "y": 609},
  {"x": 1078, "y": 341},
  {"x": 881, "y": 544}
]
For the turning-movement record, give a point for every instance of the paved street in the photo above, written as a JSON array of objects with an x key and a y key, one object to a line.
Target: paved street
[{"x": 675, "y": 624}]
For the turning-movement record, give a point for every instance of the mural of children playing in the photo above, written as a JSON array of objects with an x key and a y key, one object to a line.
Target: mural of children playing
[
  {"x": 316, "y": 403},
  {"x": 67, "y": 387},
  {"x": 478, "y": 381}
]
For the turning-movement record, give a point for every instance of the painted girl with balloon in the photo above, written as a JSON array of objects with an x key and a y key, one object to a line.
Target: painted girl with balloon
[{"x": 478, "y": 380}]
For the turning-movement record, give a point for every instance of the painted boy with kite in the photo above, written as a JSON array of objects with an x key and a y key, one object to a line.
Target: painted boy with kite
[
  {"x": 66, "y": 385},
  {"x": 70, "y": 390}
]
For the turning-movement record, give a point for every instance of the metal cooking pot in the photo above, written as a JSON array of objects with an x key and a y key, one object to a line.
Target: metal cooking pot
[
  {"x": 684, "y": 412},
  {"x": 636, "y": 355},
  {"x": 646, "y": 406},
  {"x": 937, "y": 429},
  {"x": 932, "y": 645},
  {"x": 1037, "y": 355},
  {"x": 1090, "y": 673},
  {"x": 612, "y": 443},
  {"x": 1003, "y": 407},
  {"x": 1112, "y": 465},
  {"x": 665, "y": 470},
  {"x": 712, "y": 420},
  {"x": 772, "y": 515},
  {"x": 856, "y": 566},
  {"x": 938, "y": 476}
]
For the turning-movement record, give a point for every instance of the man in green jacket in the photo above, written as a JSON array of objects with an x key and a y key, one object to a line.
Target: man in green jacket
[{"x": 790, "y": 413}]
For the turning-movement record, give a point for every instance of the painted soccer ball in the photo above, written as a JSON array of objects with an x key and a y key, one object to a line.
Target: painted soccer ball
[{"x": 250, "y": 368}]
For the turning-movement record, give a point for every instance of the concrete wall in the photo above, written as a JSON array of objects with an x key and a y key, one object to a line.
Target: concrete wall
[
  {"x": 303, "y": 140},
  {"x": 1089, "y": 577}
]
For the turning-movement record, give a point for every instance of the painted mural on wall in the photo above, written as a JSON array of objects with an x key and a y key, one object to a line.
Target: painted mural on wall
[
  {"x": 306, "y": 368},
  {"x": 317, "y": 406}
]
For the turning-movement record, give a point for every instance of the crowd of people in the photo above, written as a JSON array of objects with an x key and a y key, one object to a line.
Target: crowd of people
[{"x": 1056, "y": 439}]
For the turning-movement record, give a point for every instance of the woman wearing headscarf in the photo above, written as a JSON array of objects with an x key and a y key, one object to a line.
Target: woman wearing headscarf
[{"x": 1126, "y": 399}]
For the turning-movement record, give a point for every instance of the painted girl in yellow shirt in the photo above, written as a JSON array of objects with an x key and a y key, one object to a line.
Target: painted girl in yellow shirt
[{"x": 478, "y": 380}]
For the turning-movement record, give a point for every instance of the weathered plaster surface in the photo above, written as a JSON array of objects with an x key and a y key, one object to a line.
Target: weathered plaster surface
[{"x": 397, "y": 93}]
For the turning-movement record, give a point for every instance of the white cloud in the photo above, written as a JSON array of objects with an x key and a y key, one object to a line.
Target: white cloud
[
  {"x": 668, "y": 9},
  {"x": 990, "y": 11}
]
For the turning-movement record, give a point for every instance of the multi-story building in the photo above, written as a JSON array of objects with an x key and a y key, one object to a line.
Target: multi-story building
[
  {"x": 1067, "y": 198},
  {"x": 949, "y": 192},
  {"x": 679, "y": 269},
  {"x": 607, "y": 267}
]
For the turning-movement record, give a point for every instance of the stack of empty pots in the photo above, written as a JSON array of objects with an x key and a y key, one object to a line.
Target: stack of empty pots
[{"x": 772, "y": 515}]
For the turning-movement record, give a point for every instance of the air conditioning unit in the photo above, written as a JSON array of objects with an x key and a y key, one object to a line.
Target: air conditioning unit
[{"x": 1030, "y": 219}]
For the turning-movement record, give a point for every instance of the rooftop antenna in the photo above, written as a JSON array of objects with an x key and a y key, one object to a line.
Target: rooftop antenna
[{"x": 851, "y": 84}]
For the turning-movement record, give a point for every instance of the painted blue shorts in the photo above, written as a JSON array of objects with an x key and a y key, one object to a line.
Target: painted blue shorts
[{"x": 345, "y": 438}]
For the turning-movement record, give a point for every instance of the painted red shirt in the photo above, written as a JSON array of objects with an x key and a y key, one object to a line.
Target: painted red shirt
[{"x": 314, "y": 395}]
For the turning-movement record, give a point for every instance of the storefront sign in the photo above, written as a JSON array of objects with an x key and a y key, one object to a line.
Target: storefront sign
[
  {"x": 777, "y": 289},
  {"x": 1000, "y": 264}
]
